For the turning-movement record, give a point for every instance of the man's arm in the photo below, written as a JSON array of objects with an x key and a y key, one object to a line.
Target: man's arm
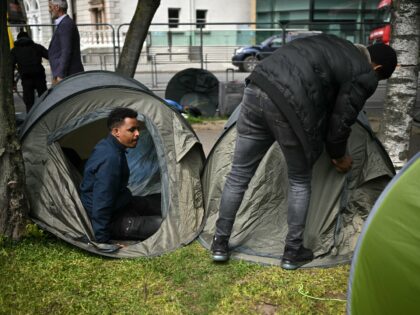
[
  {"x": 105, "y": 193},
  {"x": 43, "y": 51},
  {"x": 350, "y": 101}
]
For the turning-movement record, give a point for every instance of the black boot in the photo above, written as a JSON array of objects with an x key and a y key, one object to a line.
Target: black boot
[
  {"x": 295, "y": 258},
  {"x": 220, "y": 248}
]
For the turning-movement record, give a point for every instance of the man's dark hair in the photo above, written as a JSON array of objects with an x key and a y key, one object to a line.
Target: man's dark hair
[
  {"x": 384, "y": 55},
  {"x": 22, "y": 34},
  {"x": 117, "y": 116}
]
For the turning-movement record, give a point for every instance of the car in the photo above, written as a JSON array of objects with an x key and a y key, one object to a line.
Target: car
[{"x": 246, "y": 58}]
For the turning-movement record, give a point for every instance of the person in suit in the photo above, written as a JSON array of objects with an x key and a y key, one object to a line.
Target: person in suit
[
  {"x": 64, "y": 49},
  {"x": 27, "y": 56}
]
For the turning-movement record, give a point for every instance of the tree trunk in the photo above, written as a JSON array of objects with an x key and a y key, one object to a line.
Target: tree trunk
[
  {"x": 401, "y": 90},
  {"x": 13, "y": 204},
  {"x": 136, "y": 36}
]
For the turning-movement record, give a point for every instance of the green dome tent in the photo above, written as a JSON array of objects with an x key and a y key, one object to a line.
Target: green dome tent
[
  {"x": 339, "y": 203},
  {"x": 196, "y": 88},
  {"x": 384, "y": 276},
  {"x": 62, "y": 129}
]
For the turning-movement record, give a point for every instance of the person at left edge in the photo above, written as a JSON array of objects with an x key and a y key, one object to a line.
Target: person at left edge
[{"x": 28, "y": 55}]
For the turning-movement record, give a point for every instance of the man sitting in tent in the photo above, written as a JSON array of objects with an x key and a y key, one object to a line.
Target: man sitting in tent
[
  {"x": 306, "y": 94},
  {"x": 104, "y": 191}
]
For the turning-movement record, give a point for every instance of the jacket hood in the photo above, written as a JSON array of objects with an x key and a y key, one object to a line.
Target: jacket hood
[
  {"x": 24, "y": 41},
  {"x": 364, "y": 51}
]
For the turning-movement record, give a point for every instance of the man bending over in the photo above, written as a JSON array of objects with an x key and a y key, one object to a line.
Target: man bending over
[{"x": 306, "y": 96}]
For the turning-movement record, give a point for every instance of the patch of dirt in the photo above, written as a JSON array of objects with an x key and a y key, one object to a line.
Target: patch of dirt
[
  {"x": 341, "y": 296},
  {"x": 210, "y": 125},
  {"x": 267, "y": 309}
]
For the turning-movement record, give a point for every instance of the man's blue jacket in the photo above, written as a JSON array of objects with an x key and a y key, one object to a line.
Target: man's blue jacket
[{"x": 104, "y": 187}]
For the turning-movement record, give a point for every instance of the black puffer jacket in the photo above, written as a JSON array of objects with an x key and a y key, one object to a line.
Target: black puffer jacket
[
  {"x": 320, "y": 83},
  {"x": 28, "y": 57}
]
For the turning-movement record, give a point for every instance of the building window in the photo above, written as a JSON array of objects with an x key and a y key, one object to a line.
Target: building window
[
  {"x": 97, "y": 17},
  {"x": 200, "y": 18},
  {"x": 97, "y": 12},
  {"x": 173, "y": 17},
  {"x": 33, "y": 15}
]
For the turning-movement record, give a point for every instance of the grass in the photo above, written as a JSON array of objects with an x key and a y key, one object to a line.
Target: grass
[{"x": 44, "y": 275}]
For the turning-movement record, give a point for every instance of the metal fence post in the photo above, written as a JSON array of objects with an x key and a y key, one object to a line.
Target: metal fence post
[
  {"x": 114, "y": 48},
  {"x": 118, "y": 38},
  {"x": 201, "y": 45},
  {"x": 154, "y": 71},
  {"x": 283, "y": 25}
]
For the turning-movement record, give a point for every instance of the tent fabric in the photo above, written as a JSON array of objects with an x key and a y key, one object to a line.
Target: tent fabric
[
  {"x": 338, "y": 207},
  {"x": 59, "y": 134},
  {"x": 197, "y": 88},
  {"x": 384, "y": 277},
  {"x": 90, "y": 79}
]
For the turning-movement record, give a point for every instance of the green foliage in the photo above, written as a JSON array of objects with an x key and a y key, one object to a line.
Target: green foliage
[
  {"x": 32, "y": 230},
  {"x": 47, "y": 276},
  {"x": 3, "y": 240},
  {"x": 194, "y": 120}
]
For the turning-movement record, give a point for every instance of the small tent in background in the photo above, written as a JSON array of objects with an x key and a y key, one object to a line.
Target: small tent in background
[
  {"x": 338, "y": 207},
  {"x": 195, "y": 88},
  {"x": 384, "y": 277},
  {"x": 63, "y": 127}
]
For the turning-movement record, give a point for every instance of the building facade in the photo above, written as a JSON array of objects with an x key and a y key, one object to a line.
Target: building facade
[
  {"x": 181, "y": 28},
  {"x": 98, "y": 19},
  {"x": 176, "y": 22},
  {"x": 349, "y": 19}
]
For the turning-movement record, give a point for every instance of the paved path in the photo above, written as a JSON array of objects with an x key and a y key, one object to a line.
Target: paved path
[{"x": 208, "y": 133}]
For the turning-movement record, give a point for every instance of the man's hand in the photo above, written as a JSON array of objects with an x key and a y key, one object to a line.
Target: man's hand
[
  {"x": 343, "y": 165},
  {"x": 56, "y": 80}
]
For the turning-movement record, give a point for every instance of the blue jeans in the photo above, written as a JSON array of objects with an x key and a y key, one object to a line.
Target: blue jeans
[{"x": 260, "y": 124}]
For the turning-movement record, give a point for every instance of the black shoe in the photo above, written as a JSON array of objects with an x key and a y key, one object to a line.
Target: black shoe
[
  {"x": 295, "y": 258},
  {"x": 220, "y": 248}
]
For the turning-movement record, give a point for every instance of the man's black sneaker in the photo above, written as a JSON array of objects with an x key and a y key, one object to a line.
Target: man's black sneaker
[
  {"x": 220, "y": 248},
  {"x": 295, "y": 258}
]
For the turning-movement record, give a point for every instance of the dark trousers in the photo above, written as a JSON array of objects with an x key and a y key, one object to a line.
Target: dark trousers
[
  {"x": 139, "y": 220},
  {"x": 260, "y": 124},
  {"x": 30, "y": 84}
]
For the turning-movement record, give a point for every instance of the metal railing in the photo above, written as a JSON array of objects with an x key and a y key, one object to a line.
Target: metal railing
[
  {"x": 202, "y": 45},
  {"x": 154, "y": 64},
  {"x": 88, "y": 39}
]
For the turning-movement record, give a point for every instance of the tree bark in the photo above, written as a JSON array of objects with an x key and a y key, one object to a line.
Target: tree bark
[
  {"x": 136, "y": 36},
  {"x": 13, "y": 203},
  {"x": 401, "y": 90}
]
